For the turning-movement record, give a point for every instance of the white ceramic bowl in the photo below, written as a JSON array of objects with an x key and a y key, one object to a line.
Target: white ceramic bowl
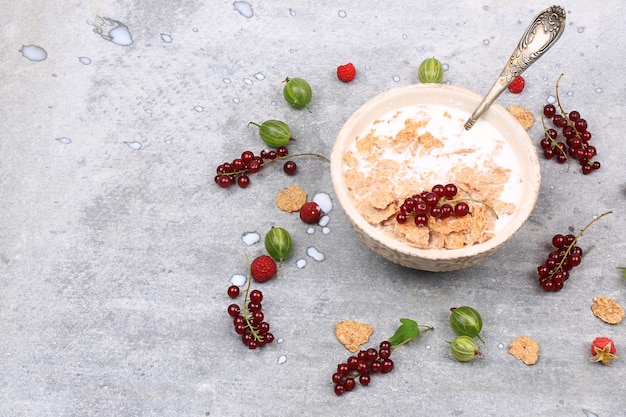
[{"x": 466, "y": 101}]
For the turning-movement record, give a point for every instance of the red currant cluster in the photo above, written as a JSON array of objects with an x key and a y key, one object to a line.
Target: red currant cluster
[
  {"x": 250, "y": 322},
  {"x": 565, "y": 256},
  {"x": 438, "y": 203},
  {"x": 555, "y": 270},
  {"x": 363, "y": 365},
  {"x": 239, "y": 169}
]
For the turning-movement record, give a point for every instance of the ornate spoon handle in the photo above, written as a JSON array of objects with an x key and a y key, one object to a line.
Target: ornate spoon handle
[{"x": 542, "y": 33}]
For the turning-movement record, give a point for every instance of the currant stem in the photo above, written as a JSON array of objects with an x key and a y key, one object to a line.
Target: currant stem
[
  {"x": 280, "y": 158},
  {"x": 246, "y": 313}
]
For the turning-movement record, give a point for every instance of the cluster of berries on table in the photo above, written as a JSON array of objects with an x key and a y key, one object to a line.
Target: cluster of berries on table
[
  {"x": 439, "y": 203},
  {"x": 361, "y": 367},
  {"x": 573, "y": 129},
  {"x": 555, "y": 270},
  {"x": 562, "y": 259},
  {"x": 239, "y": 169},
  {"x": 249, "y": 320}
]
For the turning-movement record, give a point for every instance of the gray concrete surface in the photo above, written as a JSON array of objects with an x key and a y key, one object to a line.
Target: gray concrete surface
[{"x": 116, "y": 246}]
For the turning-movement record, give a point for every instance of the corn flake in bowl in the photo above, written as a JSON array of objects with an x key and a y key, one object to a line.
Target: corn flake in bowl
[{"x": 407, "y": 140}]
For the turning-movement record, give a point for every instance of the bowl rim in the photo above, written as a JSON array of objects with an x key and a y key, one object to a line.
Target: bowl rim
[{"x": 417, "y": 90}]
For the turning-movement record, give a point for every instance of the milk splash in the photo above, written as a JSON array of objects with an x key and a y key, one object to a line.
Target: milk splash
[
  {"x": 34, "y": 52},
  {"x": 113, "y": 31}
]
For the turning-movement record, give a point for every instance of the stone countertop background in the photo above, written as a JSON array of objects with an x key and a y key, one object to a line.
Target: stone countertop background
[{"x": 116, "y": 246}]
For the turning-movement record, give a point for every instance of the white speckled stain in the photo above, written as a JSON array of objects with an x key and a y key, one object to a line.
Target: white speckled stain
[
  {"x": 259, "y": 76},
  {"x": 64, "y": 140},
  {"x": 34, "y": 53},
  {"x": 166, "y": 38},
  {"x": 301, "y": 263},
  {"x": 324, "y": 201},
  {"x": 85, "y": 60},
  {"x": 342, "y": 14},
  {"x": 117, "y": 33},
  {"x": 281, "y": 359},
  {"x": 315, "y": 254},
  {"x": 134, "y": 145},
  {"x": 244, "y": 8},
  {"x": 250, "y": 238},
  {"x": 238, "y": 280}
]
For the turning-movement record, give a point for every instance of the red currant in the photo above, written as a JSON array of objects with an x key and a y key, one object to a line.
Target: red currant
[{"x": 290, "y": 167}]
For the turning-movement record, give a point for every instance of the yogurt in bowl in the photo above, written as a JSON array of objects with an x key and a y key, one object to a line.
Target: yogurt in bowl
[{"x": 409, "y": 139}]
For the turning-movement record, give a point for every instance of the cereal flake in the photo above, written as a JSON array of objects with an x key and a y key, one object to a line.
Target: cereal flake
[
  {"x": 352, "y": 334},
  {"x": 525, "y": 349},
  {"x": 291, "y": 199},
  {"x": 607, "y": 310}
]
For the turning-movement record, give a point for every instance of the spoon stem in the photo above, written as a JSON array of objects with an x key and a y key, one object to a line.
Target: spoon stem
[{"x": 542, "y": 33}]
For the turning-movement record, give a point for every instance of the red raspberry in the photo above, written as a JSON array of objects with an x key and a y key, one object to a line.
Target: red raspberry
[
  {"x": 517, "y": 85},
  {"x": 310, "y": 212},
  {"x": 263, "y": 268},
  {"x": 346, "y": 73}
]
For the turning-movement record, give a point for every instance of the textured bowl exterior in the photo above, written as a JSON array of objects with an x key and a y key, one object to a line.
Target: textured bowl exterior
[{"x": 436, "y": 260}]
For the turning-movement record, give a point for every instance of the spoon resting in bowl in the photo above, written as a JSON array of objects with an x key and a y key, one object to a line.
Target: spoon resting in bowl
[{"x": 542, "y": 33}]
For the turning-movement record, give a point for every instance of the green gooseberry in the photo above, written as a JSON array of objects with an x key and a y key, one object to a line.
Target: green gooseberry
[
  {"x": 297, "y": 92},
  {"x": 278, "y": 243},
  {"x": 466, "y": 321},
  {"x": 430, "y": 71},
  {"x": 275, "y": 133},
  {"x": 464, "y": 348}
]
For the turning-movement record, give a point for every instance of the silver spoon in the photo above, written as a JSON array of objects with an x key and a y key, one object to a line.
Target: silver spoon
[{"x": 542, "y": 33}]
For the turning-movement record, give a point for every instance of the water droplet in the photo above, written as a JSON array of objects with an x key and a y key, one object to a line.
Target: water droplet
[
  {"x": 248, "y": 81},
  {"x": 292, "y": 51},
  {"x": 281, "y": 359},
  {"x": 310, "y": 230},
  {"x": 134, "y": 145},
  {"x": 324, "y": 221},
  {"x": 433, "y": 28},
  {"x": 545, "y": 78},
  {"x": 84, "y": 60},
  {"x": 33, "y": 52},
  {"x": 485, "y": 7},
  {"x": 259, "y": 76},
  {"x": 396, "y": 78},
  {"x": 292, "y": 12},
  {"x": 485, "y": 42},
  {"x": 166, "y": 38},
  {"x": 463, "y": 61},
  {"x": 64, "y": 140},
  {"x": 500, "y": 345},
  {"x": 598, "y": 90},
  {"x": 570, "y": 93},
  {"x": 280, "y": 340},
  {"x": 445, "y": 67},
  {"x": 148, "y": 111},
  {"x": 342, "y": 14},
  {"x": 405, "y": 36},
  {"x": 273, "y": 103},
  {"x": 324, "y": 201},
  {"x": 428, "y": 347},
  {"x": 315, "y": 254},
  {"x": 239, "y": 280},
  {"x": 367, "y": 67},
  {"x": 301, "y": 263},
  {"x": 250, "y": 238},
  {"x": 244, "y": 8},
  {"x": 581, "y": 29},
  {"x": 236, "y": 100},
  {"x": 551, "y": 99},
  {"x": 227, "y": 80},
  {"x": 118, "y": 33},
  {"x": 199, "y": 109},
  {"x": 168, "y": 141},
  {"x": 194, "y": 29},
  {"x": 325, "y": 230}
]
